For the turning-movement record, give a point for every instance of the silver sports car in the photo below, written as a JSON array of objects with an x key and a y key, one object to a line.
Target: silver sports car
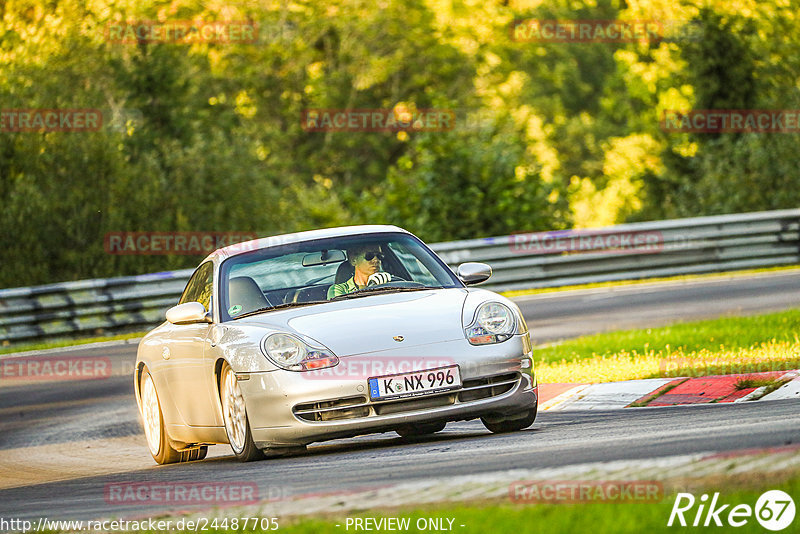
[{"x": 287, "y": 340}]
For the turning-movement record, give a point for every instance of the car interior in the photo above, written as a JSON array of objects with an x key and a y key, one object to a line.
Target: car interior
[{"x": 244, "y": 291}]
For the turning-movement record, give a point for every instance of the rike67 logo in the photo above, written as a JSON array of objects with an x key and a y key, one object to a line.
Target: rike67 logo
[{"x": 774, "y": 510}]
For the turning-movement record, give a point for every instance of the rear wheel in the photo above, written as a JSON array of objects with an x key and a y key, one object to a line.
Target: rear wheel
[
  {"x": 154, "y": 431},
  {"x": 234, "y": 413},
  {"x": 423, "y": 429},
  {"x": 510, "y": 423}
]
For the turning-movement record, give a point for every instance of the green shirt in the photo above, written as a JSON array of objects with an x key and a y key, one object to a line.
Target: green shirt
[{"x": 343, "y": 289}]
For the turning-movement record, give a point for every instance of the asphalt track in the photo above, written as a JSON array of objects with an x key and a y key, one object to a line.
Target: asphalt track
[{"x": 62, "y": 443}]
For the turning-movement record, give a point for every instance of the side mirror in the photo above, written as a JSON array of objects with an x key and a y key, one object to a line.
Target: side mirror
[
  {"x": 188, "y": 313},
  {"x": 472, "y": 273}
]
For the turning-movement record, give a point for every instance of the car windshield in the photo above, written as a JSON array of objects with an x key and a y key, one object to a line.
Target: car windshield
[{"x": 312, "y": 272}]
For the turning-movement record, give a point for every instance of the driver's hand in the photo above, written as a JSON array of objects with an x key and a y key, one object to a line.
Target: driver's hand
[{"x": 377, "y": 279}]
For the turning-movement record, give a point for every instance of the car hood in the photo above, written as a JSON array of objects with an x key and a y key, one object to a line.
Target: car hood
[{"x": 370, "y": 324}]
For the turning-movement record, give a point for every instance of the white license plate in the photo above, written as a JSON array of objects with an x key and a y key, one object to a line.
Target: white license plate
[{"x": 415, "y": 383}]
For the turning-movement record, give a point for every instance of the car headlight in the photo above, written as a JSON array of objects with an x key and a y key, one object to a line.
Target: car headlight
[
  {"x": 293, "y": 354},
  {"x": 493, "y": 323}
]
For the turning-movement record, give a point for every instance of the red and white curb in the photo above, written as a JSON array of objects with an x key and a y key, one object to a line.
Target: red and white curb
[
  {"x": 790, "y": 390},
  {"x": 681, "y": 390}
]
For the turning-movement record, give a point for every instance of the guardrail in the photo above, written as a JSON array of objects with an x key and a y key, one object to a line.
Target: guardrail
[
  {"x": 668, "y": 248},
  {"x": 520, "y": 261}
]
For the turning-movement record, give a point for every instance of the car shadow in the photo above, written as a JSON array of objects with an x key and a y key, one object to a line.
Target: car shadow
[{"x": 385, "y": 441}]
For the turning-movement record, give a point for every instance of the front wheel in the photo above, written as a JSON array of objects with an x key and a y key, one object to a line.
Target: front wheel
[
  {"x": 234, "y": 413},
  {"x": 154, "y": 431},
  {"x": 511, "y": 423}
]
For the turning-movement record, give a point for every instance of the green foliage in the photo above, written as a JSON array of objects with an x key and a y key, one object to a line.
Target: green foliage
[
  {"x": 465, "y": 184},
  {"x": 736, "y": 62},
  {"x": 211, "y": 138}
]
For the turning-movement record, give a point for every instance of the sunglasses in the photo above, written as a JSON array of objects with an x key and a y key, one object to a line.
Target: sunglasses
[{"x": 370, "y": 255}]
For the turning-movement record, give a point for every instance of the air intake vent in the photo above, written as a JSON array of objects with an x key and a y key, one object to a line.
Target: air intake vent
[
  {"x": 484, "y": 388},
  {"x": 347, "y": 408}
]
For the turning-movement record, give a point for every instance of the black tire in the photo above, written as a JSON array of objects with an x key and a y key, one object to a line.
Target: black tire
[
  {"x": 511, "y": 423},
  {"x": 165, "y": 454},
  {"x": 246, "y": 450},
  {"x": 423, "y": 429}
]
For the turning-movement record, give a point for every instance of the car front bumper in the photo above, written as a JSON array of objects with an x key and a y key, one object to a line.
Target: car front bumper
[{"x": 288, "y": 409}]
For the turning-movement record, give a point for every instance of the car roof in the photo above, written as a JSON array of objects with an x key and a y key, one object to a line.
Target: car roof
[{"x": 299, "y": 237}]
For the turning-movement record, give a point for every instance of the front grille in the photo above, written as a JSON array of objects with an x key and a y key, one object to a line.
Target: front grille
[
  {"x": 358, "y": 407},
  {"x": 483, "y": 388},
  {"x": 347, "y": 408}
]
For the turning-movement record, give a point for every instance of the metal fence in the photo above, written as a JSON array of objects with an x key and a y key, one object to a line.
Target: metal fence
[
  {"x": 519, "y": 261},
  {"x": 668, "y": 248}
]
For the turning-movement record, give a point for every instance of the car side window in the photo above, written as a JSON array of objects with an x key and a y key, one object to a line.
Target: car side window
[{"x": 200, "y": 286}]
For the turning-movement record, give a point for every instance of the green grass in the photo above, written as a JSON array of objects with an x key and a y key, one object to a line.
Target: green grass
[
  {"x": 720, "y": 346},
  {"x": 596, "y": 517},
  {"x": 67, "y": 343},
  {"x": 729, "y": 332},
  {"x": 747, "y": 383}
]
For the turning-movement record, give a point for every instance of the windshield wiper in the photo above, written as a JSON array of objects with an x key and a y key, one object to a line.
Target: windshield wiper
[
  {"x": 372, "y": 290},
  {"x": 279, "y": 307}
]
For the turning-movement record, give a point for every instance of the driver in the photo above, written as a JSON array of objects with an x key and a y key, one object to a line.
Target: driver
[{"x": 366, "y": 260}]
